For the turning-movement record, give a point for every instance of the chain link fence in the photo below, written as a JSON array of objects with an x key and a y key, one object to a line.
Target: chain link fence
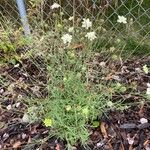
[
  {"x": 41, "y": 15},
  {"x": 30, "y": 78}
]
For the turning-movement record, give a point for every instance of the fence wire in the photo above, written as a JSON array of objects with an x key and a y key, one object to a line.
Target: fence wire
[
  {"x": 40, "y": 13},
  {"x": 42, "y": 20}
]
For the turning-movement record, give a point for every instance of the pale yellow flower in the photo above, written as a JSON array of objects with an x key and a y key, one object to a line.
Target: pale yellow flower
[
  {"x": 122, "y": 19},
  {"x": 71, "y": 29}
]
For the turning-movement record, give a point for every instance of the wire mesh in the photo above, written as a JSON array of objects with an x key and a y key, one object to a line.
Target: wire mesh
[
  {"x": 30, "y": 78},
  {"x": 41, "y": 15}
]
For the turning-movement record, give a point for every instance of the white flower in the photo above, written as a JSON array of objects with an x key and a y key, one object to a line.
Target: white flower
[
  {"x": 66, "y": 38},
  {"x": 143, "y": 120},
  {"x": 71, "y": 29},
  {"x": 71, "y": 18},
  {"x": 55, "y": 5},
  {"x": 91, "y": 36},
  {"x": 122, "y": 19},
  {"x": 86, "y": 23}
]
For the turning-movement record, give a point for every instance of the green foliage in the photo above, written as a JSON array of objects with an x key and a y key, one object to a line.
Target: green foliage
[
  {"x": 131, "y": 46},
  {"x": 119, "y": 88},
  {"x": 131, "y": 8},
  {"x": 70, "y": 105},
  {"x": 72, "y": 101},
  {"x": 12, "y": 43},
  {"x": 136, "y": 48}
]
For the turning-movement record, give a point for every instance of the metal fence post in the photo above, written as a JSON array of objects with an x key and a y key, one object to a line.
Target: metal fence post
[{"x": 23, "y": 16}]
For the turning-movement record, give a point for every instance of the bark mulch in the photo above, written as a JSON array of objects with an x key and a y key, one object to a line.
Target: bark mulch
[{"x": 117, "y": 130}]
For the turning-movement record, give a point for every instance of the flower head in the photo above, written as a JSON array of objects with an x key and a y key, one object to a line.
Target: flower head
[
  {"x": 71, "y": 18},
  {"x": 66, "y": 38},
  {"x": 68, "y": 107},
  {"x": 71, "y": 29},
  {"x": 91, "y": 36},
  {"x": 86, "y": 23},
  {"x": 48, "y": 122},
  {"x": 122, "y": 19},
  {"x": 55, "y": 5},
  {"x": 85, "y": 111}
]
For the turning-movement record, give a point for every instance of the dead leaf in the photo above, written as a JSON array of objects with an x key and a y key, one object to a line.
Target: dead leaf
[
  {"x": 2, "y": 124},
  {"x": 103, "y": 130},
  {"x": 141, "y": 111},
  {"x": 78, "y": 46},
  {"x": 109, "y": 77},
  {"x": 109, "y": 144},
  {"x": 29, "y": 139},
  {"x": 17, "y": 145},
  {"x": 122, "y": 147},
  {"x": 34, "y": 129},
  {"x": 130, "y": 147},
  {"x": 146, "y": 143}
]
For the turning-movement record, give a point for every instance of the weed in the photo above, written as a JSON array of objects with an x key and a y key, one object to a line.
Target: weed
[
  {"x": 73, "y": 101},
  {"x": 70, "y": 106}
]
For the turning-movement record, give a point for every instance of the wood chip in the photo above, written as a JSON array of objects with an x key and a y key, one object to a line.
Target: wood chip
[
  {"x": 57, "y": 147},
  {"x": 17, "y": 144},
  {"x": 128, "y": 126},
  {"x": 103, "y": 130}
]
